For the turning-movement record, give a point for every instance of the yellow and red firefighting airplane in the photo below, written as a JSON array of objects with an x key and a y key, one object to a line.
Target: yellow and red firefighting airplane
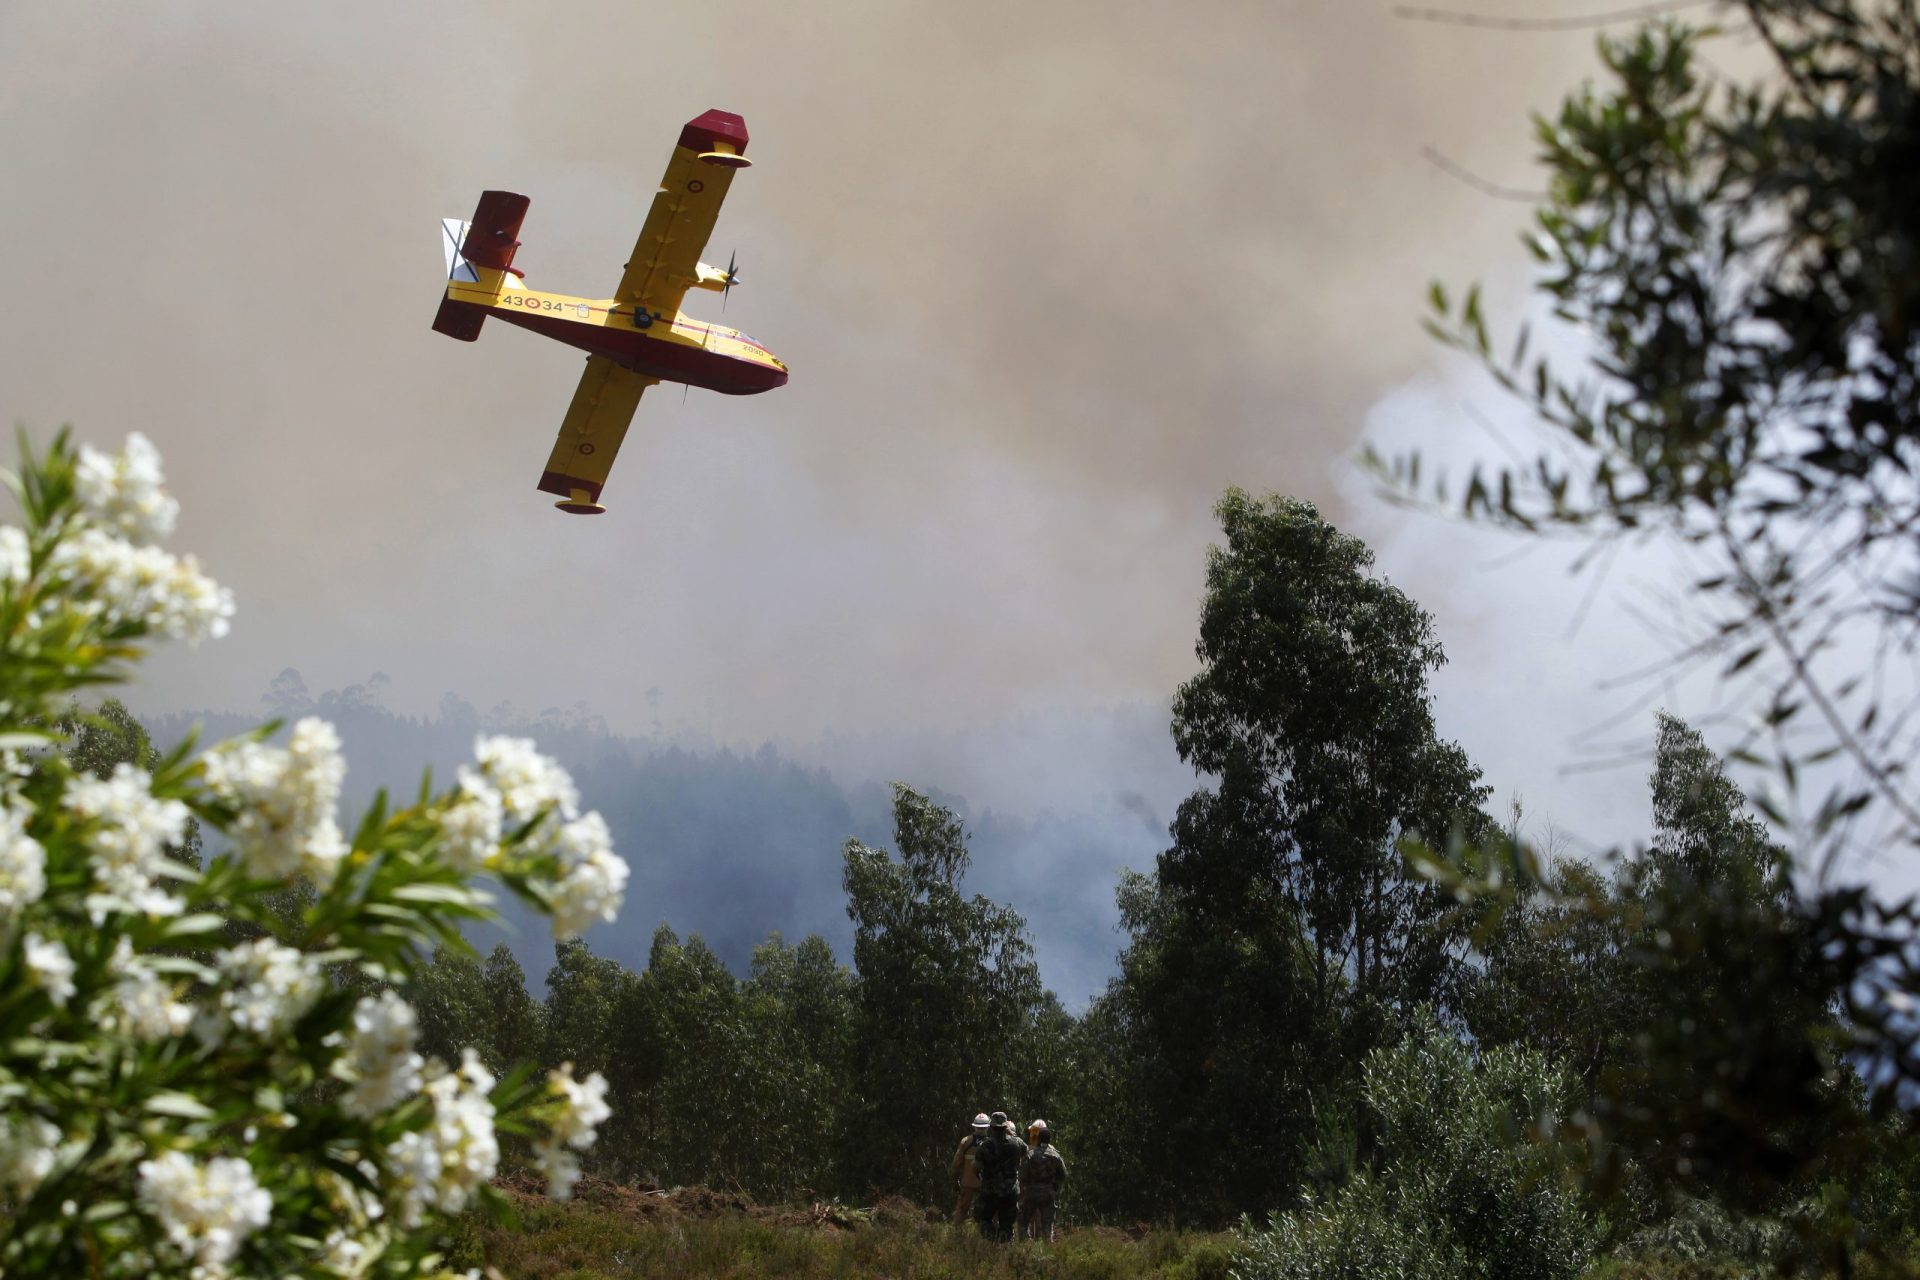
[{"x": 637, "y": 337}]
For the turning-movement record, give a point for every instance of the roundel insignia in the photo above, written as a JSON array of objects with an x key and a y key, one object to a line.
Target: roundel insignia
[
  {"x": 696, "y": 186},
  {"x": 587, "y": 447}
]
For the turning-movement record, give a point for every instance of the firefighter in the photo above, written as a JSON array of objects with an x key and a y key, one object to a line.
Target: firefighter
[
  {"x": 966, "y": 1173},
  {"x": 999, "y": 1155},
  {"x": 1042, "y": 1173}
]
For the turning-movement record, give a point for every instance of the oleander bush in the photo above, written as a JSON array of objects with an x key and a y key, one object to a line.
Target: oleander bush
[{"x": 209, "y": 1067}]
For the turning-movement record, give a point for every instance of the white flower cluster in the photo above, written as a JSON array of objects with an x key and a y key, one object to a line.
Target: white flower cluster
[
  {"x": 50, "y": 967},
  {"x": 142, "y": 1002},
  {"x": 285, "y": 797},
  {"x": 380, "y": 1061},
  {"x": 23, "y": 864},
  {"x": 106, "y": 563},
  {"x": 122, "y": 491},
  {"x": 442, "y": 1165},
  {"x": 470, "y": 826},
  {"x": 28, "y": 1147},
  {"x": 269, "y": 988},
  {"x": 514, "y": 781},
  {"x": 347, "y": 1255},
  {"x": 16, "y": 557},
  {"x": 528, "y": 782},
  {"x": 207, "y": 1210},
  {"x": 584, "y": 1106},
  {"x": 117, "y": 582},
  {"x": 593, "y": 879},
  {"x": 134, "y": 832},
  {"x": 352, "y": 1248}
]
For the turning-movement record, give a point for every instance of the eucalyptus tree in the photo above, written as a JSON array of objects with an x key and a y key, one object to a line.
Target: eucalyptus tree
[
  {"x": 1281, "y": 937},
  {"x": 1312, "y": 715},
  {"x": 947, "y": 995}
]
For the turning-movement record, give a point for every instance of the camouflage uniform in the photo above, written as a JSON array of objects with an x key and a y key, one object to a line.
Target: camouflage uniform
[
  {"x": 1041, "y": 1174},
  {"x": 999, "y": 1157}
]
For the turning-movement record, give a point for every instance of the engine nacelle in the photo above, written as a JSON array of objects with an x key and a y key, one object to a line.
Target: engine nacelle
[{"x": 715, "y": 278}]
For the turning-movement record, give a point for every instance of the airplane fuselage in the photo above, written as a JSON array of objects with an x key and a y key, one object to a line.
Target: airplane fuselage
[{"x": 673, "y": 349}]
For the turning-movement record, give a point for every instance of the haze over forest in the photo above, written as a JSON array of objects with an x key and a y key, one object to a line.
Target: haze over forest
[{"x": 735, "y": 844}]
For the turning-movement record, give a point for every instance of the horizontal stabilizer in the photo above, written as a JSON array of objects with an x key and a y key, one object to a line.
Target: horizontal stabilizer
[{"x": 460, "y": 320}]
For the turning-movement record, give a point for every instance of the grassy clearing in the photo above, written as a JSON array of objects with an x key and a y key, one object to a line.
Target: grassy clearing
[
  {"x": 616, "y": 1233},
  {"x": 610, "y": 1241}
]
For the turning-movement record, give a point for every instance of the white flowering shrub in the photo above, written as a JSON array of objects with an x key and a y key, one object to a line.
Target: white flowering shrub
[{"x": 195, "y": 1078}]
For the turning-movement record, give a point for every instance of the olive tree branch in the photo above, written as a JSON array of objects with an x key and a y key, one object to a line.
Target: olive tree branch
[{"x": 1764, "y": 610}]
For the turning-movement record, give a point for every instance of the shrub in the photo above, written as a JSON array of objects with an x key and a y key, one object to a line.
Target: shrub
[
  {"x": 1463, "y": 1187},
  {"x": 209, "y": 1070}
]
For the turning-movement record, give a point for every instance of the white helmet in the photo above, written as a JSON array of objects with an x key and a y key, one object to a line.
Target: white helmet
[{"x": 980, "y": 1120}]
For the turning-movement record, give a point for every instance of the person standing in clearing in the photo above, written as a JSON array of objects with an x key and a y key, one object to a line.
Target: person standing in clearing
[
  {"x": 999, "y": 1156},
  {"x": 966, "y": 1172},
  {"x": 1042, "y": 1174}
]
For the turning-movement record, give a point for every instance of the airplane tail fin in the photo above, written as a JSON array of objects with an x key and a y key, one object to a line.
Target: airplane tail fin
[
  {"x": 453, "y": 233},
  {"x": 479, "y": 256},
  {"x": 458, "y": 319}
]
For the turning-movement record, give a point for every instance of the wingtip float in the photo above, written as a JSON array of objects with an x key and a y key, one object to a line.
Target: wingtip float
[{"x": 634, "y": 339}]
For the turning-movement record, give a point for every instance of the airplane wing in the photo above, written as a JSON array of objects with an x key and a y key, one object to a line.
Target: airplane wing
[
  {"x": 666, "y": 258},
  {"x": 595, "y": 424}
]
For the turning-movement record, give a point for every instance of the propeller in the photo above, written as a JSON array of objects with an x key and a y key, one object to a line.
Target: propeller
[{"x": 732, "y": 279}]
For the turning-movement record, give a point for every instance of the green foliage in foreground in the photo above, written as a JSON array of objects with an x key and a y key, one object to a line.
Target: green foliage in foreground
[
  {"x": 1738, "y": 262},
  {"x": 582, "y": 1241},
  {"x": 208, "y": 1065}
]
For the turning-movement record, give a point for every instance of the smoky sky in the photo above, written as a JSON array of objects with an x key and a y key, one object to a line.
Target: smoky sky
[{"x": 1049, "y": 277}]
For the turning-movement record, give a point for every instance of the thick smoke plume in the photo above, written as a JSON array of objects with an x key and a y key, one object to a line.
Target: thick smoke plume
[{"x": 1049, "y": 278}]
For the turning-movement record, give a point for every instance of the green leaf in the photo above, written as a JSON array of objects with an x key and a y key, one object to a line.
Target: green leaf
[
  {"x": 178, "y": 1104},
  {"x": 192, "y": 926},
  {"x": 181, "y": 966},
  {"x": 453, "y": 894},
  {"x": 25, "y": 740},
  {"x": 180, "y": 871}
]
